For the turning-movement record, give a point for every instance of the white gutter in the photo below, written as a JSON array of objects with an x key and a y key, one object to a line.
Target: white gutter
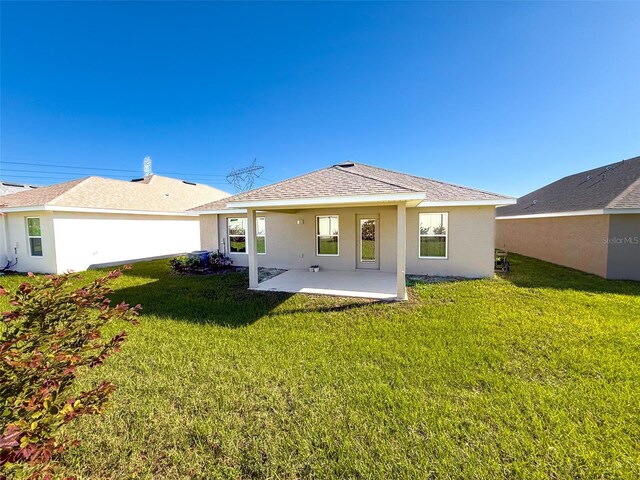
[
  {"x": 229, "y": 210},
  {"x": 468, "y": 203},
  {"x": 554, "y": 214},
  {"x": 618, "y": 211},
  {"x": 55, "y": 208},
  {"x": 577, "y": 213},
  {"x": 319, "y": 201}
]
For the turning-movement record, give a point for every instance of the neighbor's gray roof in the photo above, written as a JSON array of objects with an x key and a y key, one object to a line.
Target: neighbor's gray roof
[
  {"x": 612, "y": 186},
  {"x": 349, "y": 178},
  {"x": 154, "y": 193},
  {"x": 7, "y": 188}
]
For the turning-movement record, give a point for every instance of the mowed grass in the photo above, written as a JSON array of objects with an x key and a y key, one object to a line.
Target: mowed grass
[{"x": 532, "y": 375}]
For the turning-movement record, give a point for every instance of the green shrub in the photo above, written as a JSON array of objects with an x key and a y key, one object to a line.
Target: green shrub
[
  {"x": 194, "y": 265},
  {"x": 52, "y": 331},
  {"x": 219, "y": 261},
  {"x": 185, "y": 264}
]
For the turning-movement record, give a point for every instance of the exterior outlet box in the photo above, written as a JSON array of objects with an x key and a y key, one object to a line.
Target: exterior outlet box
[{"x": 300, "y": 222}]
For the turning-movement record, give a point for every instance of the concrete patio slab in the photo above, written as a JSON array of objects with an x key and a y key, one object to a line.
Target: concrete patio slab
[{"x": 356, "y": 283}]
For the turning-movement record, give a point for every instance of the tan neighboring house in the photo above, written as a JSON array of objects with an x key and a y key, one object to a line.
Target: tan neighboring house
[
  {"x": 98, "y": 221},
  {"x": 361, "y": 225},
  {"x": 589, "y": 221}
]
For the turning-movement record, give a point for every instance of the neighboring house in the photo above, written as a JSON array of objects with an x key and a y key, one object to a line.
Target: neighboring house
[
  {"x": 98, "y": 221},
  {"x": 7, "y": 188},
  {"x": 355, "y": 217},
  {"x": 589, "y": 221}
]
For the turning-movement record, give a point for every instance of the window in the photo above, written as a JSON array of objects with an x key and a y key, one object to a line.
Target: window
[
  {"x": 327, "y": 235},
  {"x": 261, "y": 233},
  {"x": 35, "y": 236},
  {"x": 433, "y": 235},
  {"x": 237, "y": 233}
]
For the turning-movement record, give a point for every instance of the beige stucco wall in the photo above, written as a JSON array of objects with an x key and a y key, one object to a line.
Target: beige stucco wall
[
  {"x": 290, "y": 240},
  {"x": 470, "y": 248},
  {"x": 573, "y": 241},
  {"x": 623, "y": 260},
  {"x": 209, "y": 232},
  {"x": 290, "y": 244},
  {"x": 17, "y": 244}
]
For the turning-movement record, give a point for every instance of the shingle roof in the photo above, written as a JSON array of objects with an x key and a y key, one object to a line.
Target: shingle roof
[
  {"x": 155, "y": 193},
  {"x": 611, "y": 186},
  {"x": 349, "y": 178}
]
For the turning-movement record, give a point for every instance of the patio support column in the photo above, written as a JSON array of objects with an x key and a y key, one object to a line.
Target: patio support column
[
  {"x": 401, "y": 247},
  {"x": 252, "y": 249}
]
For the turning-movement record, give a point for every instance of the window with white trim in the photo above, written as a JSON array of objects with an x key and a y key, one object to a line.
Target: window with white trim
[
  {"x": 237, "y": 235},
  {"x": 34, "y": 235},
  {"x": 327, "y": 235},
  {"x": 433, "y": 235}
]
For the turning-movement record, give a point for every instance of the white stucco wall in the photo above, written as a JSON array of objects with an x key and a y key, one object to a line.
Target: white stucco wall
[
  {"x": 291, "y": 244},
  {"x": 86, "y": 240},
  {"x": 17, "y": 243},
  {"x": 3, "y": 242}
]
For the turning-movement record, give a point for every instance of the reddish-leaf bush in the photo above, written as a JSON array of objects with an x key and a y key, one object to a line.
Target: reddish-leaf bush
[{"x": 52, "y": 331}]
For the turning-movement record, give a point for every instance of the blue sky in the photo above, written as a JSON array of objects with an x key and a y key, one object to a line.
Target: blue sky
[{"x": 500, "y": 96}]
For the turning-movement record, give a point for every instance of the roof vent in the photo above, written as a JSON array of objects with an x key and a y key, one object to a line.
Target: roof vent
[
  {"x": 188, "y": 183},
  {"x": 346, "y": 164},
  {"x": 137, "y": 179}
]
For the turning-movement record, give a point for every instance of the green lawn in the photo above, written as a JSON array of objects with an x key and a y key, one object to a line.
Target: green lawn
[
  {"x": 533, "y": 375},
  {"x": 241, "y": 246},
  {"x": 368, "y": 250},
  {"x": 328, "y": 245}
]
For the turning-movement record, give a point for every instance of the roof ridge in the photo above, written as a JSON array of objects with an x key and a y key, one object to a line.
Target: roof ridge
[
  {"x": 342, "y": 169},
  {"x": 441, "y": 182},
  {"x": 80, "y": 181},
  {"x": 625, "y": 192}
]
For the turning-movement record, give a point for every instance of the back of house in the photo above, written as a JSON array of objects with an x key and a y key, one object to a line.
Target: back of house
[
  {"x": 352, "y": 217},
  {"x": 589, "y": 221}
]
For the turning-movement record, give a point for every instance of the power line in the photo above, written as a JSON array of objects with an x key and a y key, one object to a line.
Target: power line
[
  {"x": 63, "y": 176},
  {"x": 76, "y": 167},
  {"x": 11, "y": 170}
]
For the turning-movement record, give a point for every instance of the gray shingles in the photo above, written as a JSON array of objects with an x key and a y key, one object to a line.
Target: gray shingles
[
  {"x": 611, "y": 186},
  {"x": 350, "y": 178}
]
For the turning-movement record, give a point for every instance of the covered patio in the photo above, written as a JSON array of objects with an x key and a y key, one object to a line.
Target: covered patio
[
  {"x": 363, "y": 227},
  {"x": 361, "y": 284}
]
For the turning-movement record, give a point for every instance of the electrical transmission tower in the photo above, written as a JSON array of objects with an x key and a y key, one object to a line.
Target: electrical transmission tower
[{"x": 244, "y": 178}]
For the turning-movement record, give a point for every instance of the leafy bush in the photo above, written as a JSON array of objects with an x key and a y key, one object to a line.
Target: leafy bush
[
  {"x": 194, "y": 265},
  {"x": 184, "y": 264},
  {"x": 52, "y": 331},
  {"x": 219, "y": 261}
]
